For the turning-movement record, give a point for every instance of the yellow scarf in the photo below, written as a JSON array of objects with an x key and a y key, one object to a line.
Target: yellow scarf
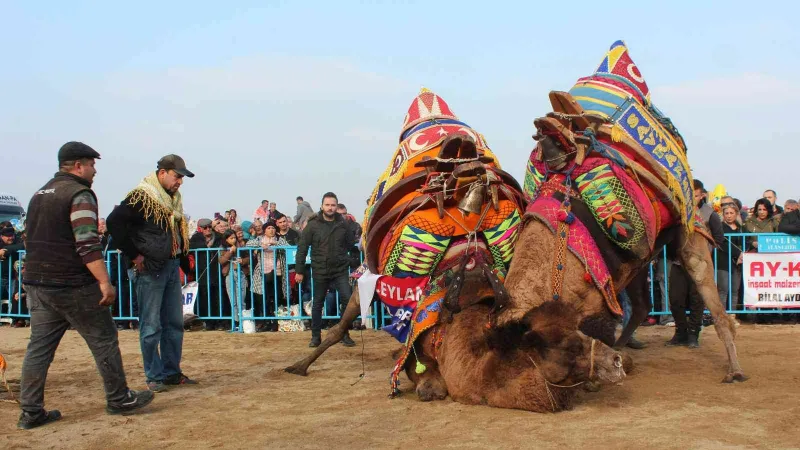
[{"x": 165, "y": 210}]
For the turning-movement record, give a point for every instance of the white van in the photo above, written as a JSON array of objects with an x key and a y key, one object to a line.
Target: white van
[{"x": 10, "y": 208}]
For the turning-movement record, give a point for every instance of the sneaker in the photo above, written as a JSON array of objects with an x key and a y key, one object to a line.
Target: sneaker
[
  {"x": 347, "y": 341},
  {"x": 156, "y": 386},
  {"x": 27, "y": 422},
  {"x": 178, "y": 379},
  {"x": 133, "y": 401}
]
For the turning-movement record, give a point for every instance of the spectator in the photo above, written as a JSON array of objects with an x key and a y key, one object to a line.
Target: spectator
[
  {"x": 262, "y": 212},
  {"x": 10, "y": 247},
  {"x": 233, "y": 218},
  {"x": 760, "y": 222},
  {"x": 287, "y": 236},
  {"x": 772, "y": 198},
  {"x": 731, "y": 224},
  {"x": 273, "y": 212},
  {"x": 330, "y": 239},
  {"x": 352, "y": 223},
  {"x": 683, "y": 293},
  {"x": 211, "y": 299},
  {"x": 264, "y": 274},
  {"x": 221, "y": 226},
  {"x": 304, "y": 212},
  {"x": 790, "y": 221},
  {"x": 233, "y": 267}
]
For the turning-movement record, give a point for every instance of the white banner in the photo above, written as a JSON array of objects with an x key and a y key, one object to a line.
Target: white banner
[
  {"x": 189, "y": 298},
  {"x": 771, "y": 280}
]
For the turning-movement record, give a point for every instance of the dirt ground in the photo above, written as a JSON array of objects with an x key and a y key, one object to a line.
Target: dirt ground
[{"x": 674, "y": 399}]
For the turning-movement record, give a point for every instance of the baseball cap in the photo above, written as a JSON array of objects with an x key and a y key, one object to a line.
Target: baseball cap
[
  {"x": 8, "y": 231},
  {"x": 73, "y": 151},
  {"x": 176, "y": 163},
  {"x": 202, "y": 223}
]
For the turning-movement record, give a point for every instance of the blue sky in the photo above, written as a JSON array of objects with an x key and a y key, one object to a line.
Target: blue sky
[{"x": 278, "y": 99}]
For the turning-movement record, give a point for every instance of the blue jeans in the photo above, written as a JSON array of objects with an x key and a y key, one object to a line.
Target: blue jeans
[{"x": 160, "y": 321}]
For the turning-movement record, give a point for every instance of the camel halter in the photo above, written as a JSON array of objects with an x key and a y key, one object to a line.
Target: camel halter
[{"x": 548, "y": 384}]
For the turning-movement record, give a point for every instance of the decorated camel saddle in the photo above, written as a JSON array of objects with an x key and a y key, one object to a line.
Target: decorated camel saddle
[
  {"x": 442, "y": 212},
  {"x": 607, "y": 146}
]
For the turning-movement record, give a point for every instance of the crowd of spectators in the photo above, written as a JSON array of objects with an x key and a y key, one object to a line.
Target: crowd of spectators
[{"x": 216, "y": 242}]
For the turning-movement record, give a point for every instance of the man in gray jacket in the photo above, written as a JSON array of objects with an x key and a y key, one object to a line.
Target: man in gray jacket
[{"x": 304, "y": 212}]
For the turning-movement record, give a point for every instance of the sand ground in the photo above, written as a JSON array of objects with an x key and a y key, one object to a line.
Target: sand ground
[{"x": 673, "y": 399}]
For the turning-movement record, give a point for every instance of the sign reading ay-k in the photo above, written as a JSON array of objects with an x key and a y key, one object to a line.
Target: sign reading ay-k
[{"x": 771, "y": 280}]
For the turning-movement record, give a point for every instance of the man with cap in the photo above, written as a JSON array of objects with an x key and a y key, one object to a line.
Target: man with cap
[
  {"x": 68, "y": 285},
  {"x": 150, "y": 228}
]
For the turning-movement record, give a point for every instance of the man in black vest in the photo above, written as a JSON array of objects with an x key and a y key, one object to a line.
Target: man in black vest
[
  {"x": 151, "y": 230},
  {"x": 68, "y": 285},
  {"x": 330, "y": 239}
]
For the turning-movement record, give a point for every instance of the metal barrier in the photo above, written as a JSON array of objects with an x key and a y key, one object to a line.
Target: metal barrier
[{"x": 224, "y": 298}]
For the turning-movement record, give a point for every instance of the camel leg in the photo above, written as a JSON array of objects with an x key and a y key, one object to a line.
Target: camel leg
[
  {"x": 640, "y": 306},
  {"x": 335, "y": 334},
  {"x": 696, "y": 259}
]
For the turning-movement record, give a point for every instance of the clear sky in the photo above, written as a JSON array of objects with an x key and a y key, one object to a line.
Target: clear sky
[{"x": 270, "y": 100}]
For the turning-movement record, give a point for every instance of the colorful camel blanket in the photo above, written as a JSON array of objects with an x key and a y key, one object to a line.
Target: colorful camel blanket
[
  {"x": 415, "y": 217},
  {"x": 630, "y": 171}
]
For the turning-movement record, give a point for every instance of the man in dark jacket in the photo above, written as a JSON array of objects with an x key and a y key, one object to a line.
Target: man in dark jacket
[
  {"x": 330, "y": 238},
  {"x": 683, "y": 292},
  {"x": 212, "y": 300},
  {"x": 10, "y": 246},
  {"x": 67, "y": 284},
  {"x": 150, "y": 228},
  {"x": 790, "y": 221}
]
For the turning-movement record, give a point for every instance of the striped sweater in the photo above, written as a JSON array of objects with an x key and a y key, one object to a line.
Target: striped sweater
[{"x": 83, "y": 216}]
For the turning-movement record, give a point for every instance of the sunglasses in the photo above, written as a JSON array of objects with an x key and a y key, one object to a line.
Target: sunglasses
[{"x": 207, "y": 227}]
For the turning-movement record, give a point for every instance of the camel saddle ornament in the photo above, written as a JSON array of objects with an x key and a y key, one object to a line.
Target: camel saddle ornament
[
  {"x": 607, "y": 158},
  {"x": 443, "y": 209}
]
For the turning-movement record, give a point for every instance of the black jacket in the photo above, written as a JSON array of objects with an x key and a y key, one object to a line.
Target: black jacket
[
  {"x": 330, "y": 243},
  {"x": 206, "y": 269},
  {"x": 736, "y": 244},
  {"x": 790, "y": 222},
  {"x": 135, "y": 235}
]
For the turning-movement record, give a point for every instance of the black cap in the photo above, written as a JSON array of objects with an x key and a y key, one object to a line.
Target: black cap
[
  {"x": 8, "y": 231},
  {"x": 73, "y": 151},
  {"x": 176, "y": 163}
]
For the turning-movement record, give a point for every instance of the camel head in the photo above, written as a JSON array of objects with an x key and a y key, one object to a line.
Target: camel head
[{"x": 548, "y": 338}]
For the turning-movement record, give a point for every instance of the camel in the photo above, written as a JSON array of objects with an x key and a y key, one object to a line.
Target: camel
[
  {"x": 445, "y": 215},
  {"x": 536, "y": 363},
  {"x": 609, "y": 187}
]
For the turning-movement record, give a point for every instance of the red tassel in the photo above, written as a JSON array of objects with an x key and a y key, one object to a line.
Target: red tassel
[
  {"x": 561, "y": 215},
  {"x": 587, "y": 277}
]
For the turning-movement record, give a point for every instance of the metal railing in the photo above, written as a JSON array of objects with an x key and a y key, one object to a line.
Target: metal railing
[{"x": 224, "y": 298}]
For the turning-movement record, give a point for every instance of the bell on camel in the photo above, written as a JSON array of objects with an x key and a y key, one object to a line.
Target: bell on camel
[{"x": 473, "y": 201}]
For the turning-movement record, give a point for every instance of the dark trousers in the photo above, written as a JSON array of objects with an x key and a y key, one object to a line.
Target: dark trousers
[
  {"x": 339, "y": 283},
  {"x": 683, "y": 295},
  {"x": 53, "y": 310},
  {"x": 213, "y": 302}
]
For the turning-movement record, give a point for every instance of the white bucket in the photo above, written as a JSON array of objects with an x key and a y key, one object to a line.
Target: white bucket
[{"x": 248, "y": 326}]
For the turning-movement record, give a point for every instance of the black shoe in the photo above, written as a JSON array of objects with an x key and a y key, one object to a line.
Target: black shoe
[
  {"x": 635, "y": 344},
  {"x": 693, "y": 341},
  {"x": 347, "y": 341},
  {"x": 315, "y": 341},
  {"x": 27, "y": 422},
  {"x": 133, "y": 401},
  {"x": 680, "y": 338},
  {"x": 178, "y": 379}
]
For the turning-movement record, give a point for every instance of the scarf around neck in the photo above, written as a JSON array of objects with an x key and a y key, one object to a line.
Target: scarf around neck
[{"x": 165, "y": 210}]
